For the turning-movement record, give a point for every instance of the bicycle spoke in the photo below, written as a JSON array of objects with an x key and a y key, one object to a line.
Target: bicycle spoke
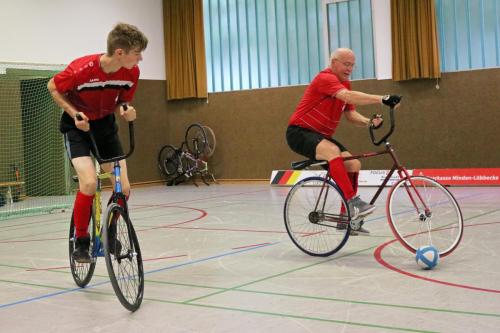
[
  {"x": 426, "y": 214},
  {"x": 123, "y": 259},
  {"x": 313, "y": 211}
]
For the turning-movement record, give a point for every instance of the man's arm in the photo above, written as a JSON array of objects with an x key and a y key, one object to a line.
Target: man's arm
[
  {"x": 63, "y": 103},
  {"x": 61, "y": 100},
  {"x": 358, "y": 98},
  {"x": 357, "y": 118}
]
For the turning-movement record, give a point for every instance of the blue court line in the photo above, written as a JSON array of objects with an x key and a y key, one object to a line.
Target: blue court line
[
  {"x": 34, "y": 299},
  {"x": 210, "y": 258},
  {"x": 78, "y": 289}
]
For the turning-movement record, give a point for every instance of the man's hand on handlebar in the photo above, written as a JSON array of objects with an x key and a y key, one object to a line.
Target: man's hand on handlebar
[
  {"x": 391, "y": 100},
  {"x": 127, "y": 112},
  {"x": 82, "y": 122},
  {"x": 376, "y": 121}
]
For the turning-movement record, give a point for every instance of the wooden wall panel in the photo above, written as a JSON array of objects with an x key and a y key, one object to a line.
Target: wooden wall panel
[{"x": 455, "y": 126}]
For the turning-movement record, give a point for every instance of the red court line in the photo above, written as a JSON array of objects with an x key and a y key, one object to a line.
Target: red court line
[
  {"x": 46, "y": 268},
  {"x": 228, "y": 229},
  {"x": 32, "y": 240},
  {"x": 203, "y": 214},
  {"x": 67, "y": 267},
  {"x": 378, "y": 256},
  {"x": 202, "y": 199}
]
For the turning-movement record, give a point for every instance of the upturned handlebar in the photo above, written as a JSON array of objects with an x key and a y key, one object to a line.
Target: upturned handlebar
[
  {"x": 117, "y": 158},
  {"x": 389, "y": 133}
]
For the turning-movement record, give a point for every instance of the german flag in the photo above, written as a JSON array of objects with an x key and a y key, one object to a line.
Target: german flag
[{"x": 286, "y": 177}]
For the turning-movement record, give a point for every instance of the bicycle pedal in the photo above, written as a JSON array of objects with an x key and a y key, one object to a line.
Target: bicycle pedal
[{"x": 356, "y": 224}]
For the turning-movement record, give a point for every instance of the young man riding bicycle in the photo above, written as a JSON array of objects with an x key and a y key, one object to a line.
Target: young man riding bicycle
[{"x": 90, "y": 91}]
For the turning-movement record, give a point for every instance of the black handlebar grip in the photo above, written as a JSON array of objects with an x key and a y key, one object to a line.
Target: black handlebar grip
[{"x": 391, "y": 100}]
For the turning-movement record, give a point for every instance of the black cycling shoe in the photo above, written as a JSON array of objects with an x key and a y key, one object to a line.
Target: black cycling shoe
[{"x": 81, "y": 252}]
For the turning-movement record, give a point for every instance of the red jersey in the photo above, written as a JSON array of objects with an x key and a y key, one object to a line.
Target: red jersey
[
  {"x": 91, "y": 90},
  {"x": 318, "y": 110}
]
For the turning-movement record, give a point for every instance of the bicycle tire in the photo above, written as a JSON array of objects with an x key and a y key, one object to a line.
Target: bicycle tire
[
  {"x": 123, "y": 258},
  {"x": 442, "y": 227},
  {"x": 168, "y": 161},
  {"x": 196, "y": 140},
  {"x": 81, "y": 272},
  {"x": 211, "y": 142},
  {"x": 307, "y": 226}
]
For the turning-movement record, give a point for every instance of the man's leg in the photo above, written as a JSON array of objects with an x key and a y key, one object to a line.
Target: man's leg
[
  {"x": 327, "y": 150},
  {"x": 82, "y": 208}
]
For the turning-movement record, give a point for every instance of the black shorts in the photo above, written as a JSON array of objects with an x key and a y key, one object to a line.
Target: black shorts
[
  {"x": 105, "y": 132},
  {"x": 304, "y": 141}
]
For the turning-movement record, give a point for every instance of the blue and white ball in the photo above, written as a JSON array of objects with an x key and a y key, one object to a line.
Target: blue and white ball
[{"x": 427, "y": 257}]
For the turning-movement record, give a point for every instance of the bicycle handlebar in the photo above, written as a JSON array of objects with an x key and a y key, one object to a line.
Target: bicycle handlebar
[
  {"x": 388, "y": 134},
  {"x": 117, "y": 158}
]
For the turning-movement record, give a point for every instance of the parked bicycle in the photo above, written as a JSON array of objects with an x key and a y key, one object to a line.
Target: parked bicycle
[
  {"x": 191, "y": 159},
  {"x": 113, "y": 238},
  {"x": 420, "y": 211}
]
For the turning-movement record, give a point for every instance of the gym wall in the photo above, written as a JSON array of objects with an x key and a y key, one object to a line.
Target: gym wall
[{"x": 455, "y": 126}]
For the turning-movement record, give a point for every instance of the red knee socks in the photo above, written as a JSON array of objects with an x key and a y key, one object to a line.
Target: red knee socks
[
  {"x": 339, "y": 175},
  {"x": 353, "y": 177},
  {"x": 81, "y": 213}
]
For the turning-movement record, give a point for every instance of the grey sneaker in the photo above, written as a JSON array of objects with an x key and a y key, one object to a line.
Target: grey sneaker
[{"x": 359, "y": 208}]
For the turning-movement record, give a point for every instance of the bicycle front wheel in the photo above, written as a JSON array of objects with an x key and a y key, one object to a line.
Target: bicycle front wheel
[
  {"x": 196, "y": 140},
  {"x": 211, "y": 142},
  {"x": 82, "y": 272},
  {"x": 123, "y": 257},
  {"x": 315, "y": 217},
  {"x": 423, "y": 212}
]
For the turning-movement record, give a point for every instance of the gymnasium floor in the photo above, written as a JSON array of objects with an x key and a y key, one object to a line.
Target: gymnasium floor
[{"x": 218, "y": 259}]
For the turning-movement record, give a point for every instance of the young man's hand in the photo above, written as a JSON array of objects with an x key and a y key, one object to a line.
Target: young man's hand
[
  {"x": 82, "y": 122},
  {"x": 128, "y": 112}
]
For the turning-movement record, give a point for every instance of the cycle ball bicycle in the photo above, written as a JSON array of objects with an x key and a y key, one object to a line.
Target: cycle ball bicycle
[
  {"x": 178, "y": 164},
  {"x": 420, "y": 211},
  {"x": 113, "y": 238}
]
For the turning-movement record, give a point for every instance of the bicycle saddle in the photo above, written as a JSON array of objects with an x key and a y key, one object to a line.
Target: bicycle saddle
[{"x": 306, "y": 163}]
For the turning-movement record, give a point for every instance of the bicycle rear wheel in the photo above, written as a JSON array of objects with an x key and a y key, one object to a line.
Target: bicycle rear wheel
[
  {"x": 123, "y": 257},
  {"x": 441, "y": 225},
  {"x": 168, "y": 161},
  {"x": 196, "y": 140},
  {"x": 82, "y": 272},
  {"x": 315, "y": 218}
]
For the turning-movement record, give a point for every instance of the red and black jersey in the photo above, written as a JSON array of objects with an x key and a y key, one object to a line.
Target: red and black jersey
[
  {"x": 319, "y": 110},
  {"x": 91, "y": 90}
]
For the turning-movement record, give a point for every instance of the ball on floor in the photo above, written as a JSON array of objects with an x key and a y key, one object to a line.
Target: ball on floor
[{"x": 427, "y": 257}]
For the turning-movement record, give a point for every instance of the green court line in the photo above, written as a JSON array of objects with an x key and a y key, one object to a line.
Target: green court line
[
  {"x": 276, "y": 314},
  {"x": 93, "y": 291},
  {"x": 371, "y": 303},
  {"x": 183, "y": 284},
  {"x": 281, "y": 274},
  {"x": 236, "y": 288},
  {"x": 287, "y": 315},
  {"x": 340, "y": 300},
  {"x": 84, "y": 290}
]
